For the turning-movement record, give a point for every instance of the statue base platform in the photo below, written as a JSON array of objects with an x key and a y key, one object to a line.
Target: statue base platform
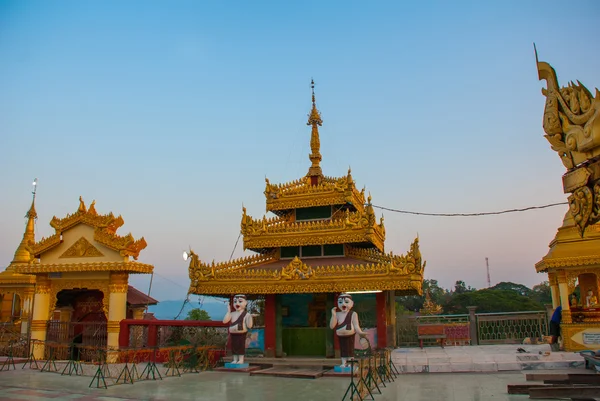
[
  {"x": 231, "y": 365},
  {"x": 343, "y": 369},
  {"x": 238, "y": 370}
]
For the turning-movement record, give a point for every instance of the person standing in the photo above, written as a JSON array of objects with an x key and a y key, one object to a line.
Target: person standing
[{"x": 555, "y": 327}]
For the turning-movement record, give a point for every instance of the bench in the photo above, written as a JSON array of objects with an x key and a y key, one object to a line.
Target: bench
[
  {"x": 431, "y": 332},
  {"x": 592, "y": 360}
]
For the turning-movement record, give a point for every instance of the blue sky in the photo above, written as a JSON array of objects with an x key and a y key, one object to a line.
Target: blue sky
[{"x": 172, "y": 113}]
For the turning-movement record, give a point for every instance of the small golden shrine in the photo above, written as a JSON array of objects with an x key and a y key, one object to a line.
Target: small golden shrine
[
  {"x": 84, "y": 260},
  {"x": 572, "y": 126},
  {"x": 324, "y": 238},
  {"x": 430, "y": 307}
]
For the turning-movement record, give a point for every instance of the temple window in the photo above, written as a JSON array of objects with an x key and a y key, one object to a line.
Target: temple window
[
  {"x": 312, "y": 251},
  {"x": 313, "y": 213}
]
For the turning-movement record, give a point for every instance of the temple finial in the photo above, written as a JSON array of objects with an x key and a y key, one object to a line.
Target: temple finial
[
  {"x": 22, "y": 254},
  {"x": 314, "y": 119},
  {"x": 82, "y": 207}
]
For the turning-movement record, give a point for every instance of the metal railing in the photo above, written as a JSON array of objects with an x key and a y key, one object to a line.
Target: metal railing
[
  {"x": 511, "y": 327},
  {"x": 491, "y": 328}
]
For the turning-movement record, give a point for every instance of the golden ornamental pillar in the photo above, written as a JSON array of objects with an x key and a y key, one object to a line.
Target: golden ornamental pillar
[
  {"x": 138, "y": 313},
  {"x": 563, "y": 289},
  {"x": 26, "y": 309},
  {"x": 117, "y": 309},
  {"x": 41, "y": 310},
  {"x": 554, "y": 290}
]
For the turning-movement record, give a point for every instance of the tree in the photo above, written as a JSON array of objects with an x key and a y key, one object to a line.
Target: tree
[
  {"x": 197, "y": 314},
  {"x": 541, "y": 293},
  {"x": 460, "y": 287},
  {"x": 490, "y": 300},
  {"x": 414, "y": 303},
  {"x": 518, "y": 288}
]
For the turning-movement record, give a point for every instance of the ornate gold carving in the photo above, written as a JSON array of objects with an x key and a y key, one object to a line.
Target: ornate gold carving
[
  {"x": 81, "y": 249},
  {"x": 129, "y": 267},
  {"x": 105, "y": 227},
  {"x": 44, "y": 244},
  {"x": 430, "y": 307},
  {"x": 118, "y": 282},
  {"x": 573, "y": 261},
  {"x": 402, "y": 286},
  {"x": 296, "y": 270},
  {"x": 42, "y": 285},
  {"x": 572, "y": 126},
  {"x": 359, "y": 226},
  {"x": 61, "y": 284},
  {"x": 301, "y": 193}
]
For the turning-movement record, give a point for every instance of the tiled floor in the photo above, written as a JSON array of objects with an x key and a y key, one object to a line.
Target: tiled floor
[
  {"x": 488, "y": 358},
  {"x": 37, "y": 386}
]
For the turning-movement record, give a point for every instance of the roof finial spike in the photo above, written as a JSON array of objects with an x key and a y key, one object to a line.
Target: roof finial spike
[{"x": 314, "y": 119}]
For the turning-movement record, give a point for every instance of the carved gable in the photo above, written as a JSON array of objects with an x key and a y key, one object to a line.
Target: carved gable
[{"x": 81, "y": 249}]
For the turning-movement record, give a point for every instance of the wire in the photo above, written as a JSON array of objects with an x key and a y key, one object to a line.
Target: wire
[
  {"x": 470, "y": 214},
  {"x": 235, "y": 246}
]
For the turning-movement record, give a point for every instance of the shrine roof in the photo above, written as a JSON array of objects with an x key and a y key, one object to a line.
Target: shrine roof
[
  {"x": 105, "y": 228},
  {"x": 313, "y": 191},
  {"x": 360, "y": 270},
  {"x": 137, "y": 298},
  {"x": 104, "y": 266},
  {"x": 568, "y": 250},
  {"x": 344, "y": 227}
]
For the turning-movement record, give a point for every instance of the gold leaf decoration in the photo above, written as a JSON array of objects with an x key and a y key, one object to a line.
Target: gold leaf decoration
[{"x": 82, "y": 249}]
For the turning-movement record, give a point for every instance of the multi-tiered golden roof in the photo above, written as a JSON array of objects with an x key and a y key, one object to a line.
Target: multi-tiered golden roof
[{"x": 324, "y": 237}]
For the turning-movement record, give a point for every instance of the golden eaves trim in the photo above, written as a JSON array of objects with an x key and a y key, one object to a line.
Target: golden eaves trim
[
  {"x": 574, "y": 261},
  {"x": 129, "y": 267}
]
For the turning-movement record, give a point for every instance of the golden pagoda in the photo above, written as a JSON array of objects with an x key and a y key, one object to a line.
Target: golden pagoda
[
  {"x": 81, "y": 271},
  {"x": 17, "y": 290},
  {"x": 572, "y": 126},
  {"x": 324, "y": 239}
]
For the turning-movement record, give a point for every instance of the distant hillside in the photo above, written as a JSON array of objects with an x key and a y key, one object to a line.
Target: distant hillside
[{"x": 167, "y": 310}]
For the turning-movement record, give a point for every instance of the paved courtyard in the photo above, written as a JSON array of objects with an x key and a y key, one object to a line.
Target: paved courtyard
[{"x": 41, "y": 386}]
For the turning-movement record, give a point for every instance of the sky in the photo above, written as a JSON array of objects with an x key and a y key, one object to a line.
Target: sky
[{"x": 172, "y": 114}]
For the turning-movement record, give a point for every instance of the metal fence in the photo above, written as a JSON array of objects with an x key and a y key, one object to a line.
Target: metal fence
[
  {"x": 491, "y": 328},
  {"x": 511, "y": 327}
]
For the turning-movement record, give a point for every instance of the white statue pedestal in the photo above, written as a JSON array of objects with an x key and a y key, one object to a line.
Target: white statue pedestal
[
  {"x": 344, "y": 369},
  {"x": 231, "y": 365}
]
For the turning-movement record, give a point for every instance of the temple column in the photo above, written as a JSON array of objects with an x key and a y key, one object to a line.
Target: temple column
[
  {"x": 28, "y": 295},
  {"x": 563, "y": 289},
  {"x": 381, "y": 307},
  {"x": 117, "y": 310},
  {"x": 270, "y": 325},
  {"x": 41, "y": 311},
  {"x": 391, "y": 318},
  {"x": 554, "y": 290}
]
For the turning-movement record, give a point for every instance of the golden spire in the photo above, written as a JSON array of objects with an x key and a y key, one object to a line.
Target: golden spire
[
  {"x": 22, "y": 255},
  {"x": 314, "y": 119}
]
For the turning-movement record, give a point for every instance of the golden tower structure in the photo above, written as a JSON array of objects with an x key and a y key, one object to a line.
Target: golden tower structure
[
  {"x": 572, "y": 126},
  {"x": 324, "y": 239},
  {"x": 17, "y": 290}
]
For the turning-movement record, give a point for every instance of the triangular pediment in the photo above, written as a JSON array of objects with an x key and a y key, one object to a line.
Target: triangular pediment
[{"x": 82, "y": 248}]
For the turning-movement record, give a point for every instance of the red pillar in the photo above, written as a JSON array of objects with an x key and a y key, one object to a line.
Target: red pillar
[
  {"x": 381, "y": 320},
  {"x": 152, "y": 335},
  {"x": 124, "y": 334},
  {"x": 270, "y": 325}
]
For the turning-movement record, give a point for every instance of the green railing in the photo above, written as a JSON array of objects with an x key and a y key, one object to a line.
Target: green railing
[
  {"x": 511, "y": 327},
  {"x": 491, "y": 328}
]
